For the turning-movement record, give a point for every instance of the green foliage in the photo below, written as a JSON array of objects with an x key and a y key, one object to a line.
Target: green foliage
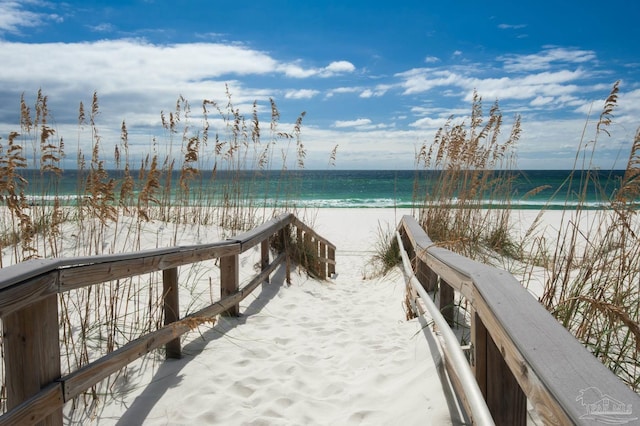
[{"x": 386, "y": 252}]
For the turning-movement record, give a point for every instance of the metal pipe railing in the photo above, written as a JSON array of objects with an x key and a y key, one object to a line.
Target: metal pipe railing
[{"x": 479, "y": 414}]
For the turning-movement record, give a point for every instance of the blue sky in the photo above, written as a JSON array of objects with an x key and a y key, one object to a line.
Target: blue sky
[{"x": 376, "y": 78}]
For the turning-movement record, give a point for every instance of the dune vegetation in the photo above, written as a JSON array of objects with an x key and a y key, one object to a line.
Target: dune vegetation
[
  {"x": 217, "y": 169},
  {"x": 589, "y": 266},
  {"x": 191, "y": 180}
]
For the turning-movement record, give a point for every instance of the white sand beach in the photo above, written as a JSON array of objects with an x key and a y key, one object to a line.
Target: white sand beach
[{"x": 334, "y": 352}]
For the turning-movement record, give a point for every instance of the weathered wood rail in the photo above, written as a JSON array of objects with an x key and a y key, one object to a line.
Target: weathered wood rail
[
  {"x": 36, "y": 392},
  {"x": 519, "y": 352}
]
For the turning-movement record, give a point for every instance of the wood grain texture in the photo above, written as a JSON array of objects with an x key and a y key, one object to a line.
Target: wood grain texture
[
  {"x": 33, "y": 289},
  {"x": 107, "y": 268},
  {"x": 549, "y": 364},
  {"x": 38, "y": 409},
  {"x": 331, "y": 261},
  {"x": 77, "y": 382},
  {"x": 230, "y": 281},
  {"x": 251, "y": 238},
  {"x": 446, "y": 301},
  {"x": 301, "y": 225},
  {"x": 322, "y": 261},
  {"x": 32, "y": 352},
  {"x": 264, "y": 257},
  {"x": 171, "y": 308},
  {"x": 505, "y": 399},
  {"x": 28, "y": 307}
]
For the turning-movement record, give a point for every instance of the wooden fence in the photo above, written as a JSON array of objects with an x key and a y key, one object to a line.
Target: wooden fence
[
  {"x": 36, "y": 392},
  {"x": 518, "y": 351}
]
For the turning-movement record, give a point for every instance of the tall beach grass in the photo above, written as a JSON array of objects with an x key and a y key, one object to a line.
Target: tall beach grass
[
  {"x": 590, "y": 265},
  {"x": 199, "y": 174}
]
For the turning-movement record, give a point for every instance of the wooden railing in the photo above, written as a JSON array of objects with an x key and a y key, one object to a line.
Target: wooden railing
[
  {"x": 518, "y": 350},
  {"x": 36, "y": 392}
]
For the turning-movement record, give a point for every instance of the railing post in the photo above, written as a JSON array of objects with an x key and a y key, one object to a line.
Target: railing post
[
  {"x": 32, "y": 352},
  {"x": 479, "y": 352},
  {"x": 299, "y": 233},
  {"x": 446, "y": 301},
  {"x": 171, "y": 309},
  {"x": 264, "y": 257},
  {"x": 322, "y": 264},
  {"x": 425, "y": 275},
  {"x": 309, "y": 247},
  {"x": 505, "y": 399},
  {"x": 284, "y": 237},
  {"x": 331, "y": 267},
  {"x": 230, "y": 281}
]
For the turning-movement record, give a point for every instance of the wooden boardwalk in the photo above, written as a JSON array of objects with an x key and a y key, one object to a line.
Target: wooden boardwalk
[{"x": 333, "y": 350}]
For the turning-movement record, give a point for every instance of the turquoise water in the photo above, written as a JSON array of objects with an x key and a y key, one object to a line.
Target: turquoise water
[{"x": 346, "y": 188}]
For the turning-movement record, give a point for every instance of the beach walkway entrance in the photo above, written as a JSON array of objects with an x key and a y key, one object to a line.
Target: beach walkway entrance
[
  {"x": 338, "y": 350},
  {"x": 335, "y": 352}
]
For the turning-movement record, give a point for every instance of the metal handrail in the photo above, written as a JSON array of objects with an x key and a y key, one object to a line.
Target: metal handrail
[{"x": 451, "y": 347}]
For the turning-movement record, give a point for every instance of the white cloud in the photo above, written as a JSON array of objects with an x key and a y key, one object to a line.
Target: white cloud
[
  {"x": 546, "y": 59},
  {"x": 377, "y": 91},
  {"x": 135, "y": 80},
  {"x": 511, "y": 26},
  {"x": 367, "y": 93},
  {"x": 339, "y": 67},
  {"x": 431, "y": 59},
  {"x": 296, "y": 71},
  {"x": 102, "y": 28},
  {"x": 542, "y": 100},
  {"x": 342, "y": 90},
  {"x": 301, "y": 94},
  {"x": 334, "y": 68},
  {"x": 420, "y": 80},
  {"x": 14, "y": 17},
  {"x": 121, "y": 65},
  {"x": 545, "y": 84},
  {"x": 352, "y": 123},
  {"x": 428, "y": 123}
]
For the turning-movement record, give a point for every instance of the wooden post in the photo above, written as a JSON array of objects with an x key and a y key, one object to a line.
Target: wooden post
[
  {"x": 505, "y": 399},
  {"x": 171, "y": 309},
  {"x": 284, "y": 234},
  {"x": 307, "y": 258},
  {"x": 32, "y": 352},
  {"x": 322, "y": 264},
  {"x": 446, "y": 301},
  {"x": 299, "y": 233},
  {"x": 479, "y": 352},
  {"x": 426, "y": 276},
  {"x": 331, "y": 267},
  {"x": 230, "y": 281},
  {"x": 264, "y": 256}
]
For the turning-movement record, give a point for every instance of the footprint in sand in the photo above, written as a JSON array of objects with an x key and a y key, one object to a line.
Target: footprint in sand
[{"x": 241, "y": 390}]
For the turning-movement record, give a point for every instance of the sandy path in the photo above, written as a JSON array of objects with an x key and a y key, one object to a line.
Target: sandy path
[{"x": 335, "y": 352}]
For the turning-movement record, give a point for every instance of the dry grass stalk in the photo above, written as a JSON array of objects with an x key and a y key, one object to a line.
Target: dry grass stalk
[
  {"x": 591, "y": 265},
  {"x": 591, "y": 281},
  {"x": 471, "y": 166},
  {"x": 99, "y": 319}
]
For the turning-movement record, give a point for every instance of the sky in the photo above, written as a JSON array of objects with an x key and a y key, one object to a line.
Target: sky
[{"x": 377, "y": 79}]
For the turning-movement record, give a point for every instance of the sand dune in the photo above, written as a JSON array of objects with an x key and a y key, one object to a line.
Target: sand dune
[{"x": 332, "y": 352}]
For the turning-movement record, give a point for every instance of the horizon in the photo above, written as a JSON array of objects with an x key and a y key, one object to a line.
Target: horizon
[{"x": 376, "y": 80}]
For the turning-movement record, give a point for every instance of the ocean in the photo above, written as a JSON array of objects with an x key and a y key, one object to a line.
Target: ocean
[{"x": 343, "y": 188}]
